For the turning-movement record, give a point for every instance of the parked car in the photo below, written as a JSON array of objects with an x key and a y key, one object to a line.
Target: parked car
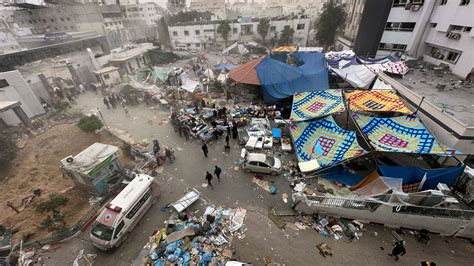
[{"x": 260, "y": 163}]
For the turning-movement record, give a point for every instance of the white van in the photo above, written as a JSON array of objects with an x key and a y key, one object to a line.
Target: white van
[{"x": 118, "y": 218}]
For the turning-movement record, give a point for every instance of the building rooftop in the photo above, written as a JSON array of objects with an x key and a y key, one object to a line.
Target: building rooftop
[
  {"x": 105, "y": 70},
  {"x": 7, "y": 105},
  {"x": 443, "y": 89},
  {"x": 89, "y": 158},
  {"x": 129, "y": 52}
]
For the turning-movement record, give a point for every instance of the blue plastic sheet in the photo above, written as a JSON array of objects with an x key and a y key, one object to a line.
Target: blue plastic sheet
[
  {"x": 342, "y": 176},
  {"x": 280, "y": 80},
  {"x": 412, "y": 175}
]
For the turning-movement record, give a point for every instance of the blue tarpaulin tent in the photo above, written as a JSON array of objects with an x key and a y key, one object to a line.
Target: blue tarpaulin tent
[
  {"x": 341, "y": 175},
  {"x": 280, "y": 80},
  {"x": 412, "y": 175}
]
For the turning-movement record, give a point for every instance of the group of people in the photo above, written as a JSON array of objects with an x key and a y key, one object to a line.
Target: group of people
[
  {"x": 209, "y": 176},
  {"x": 113, "y": 100},
  {"x": 160, "y": 156}
]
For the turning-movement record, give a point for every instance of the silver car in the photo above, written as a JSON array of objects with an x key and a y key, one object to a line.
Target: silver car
[{"x": 261, "y": 163}]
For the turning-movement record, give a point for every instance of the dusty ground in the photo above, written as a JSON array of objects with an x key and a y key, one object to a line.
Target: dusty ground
[{"x": 37, "y": 167}]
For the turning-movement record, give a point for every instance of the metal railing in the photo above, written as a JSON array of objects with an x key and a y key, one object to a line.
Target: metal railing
[
  {"x": 435, "y": 212},
  {"x": 58, "y": 236},
  {"x": 340, "y": 202}
]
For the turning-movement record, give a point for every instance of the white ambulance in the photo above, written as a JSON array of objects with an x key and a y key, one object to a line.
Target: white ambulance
[{"x": 118, "y": 218}]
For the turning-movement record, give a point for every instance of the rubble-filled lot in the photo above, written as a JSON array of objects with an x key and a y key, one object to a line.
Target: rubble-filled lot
[{"x": 37, "y": 166}]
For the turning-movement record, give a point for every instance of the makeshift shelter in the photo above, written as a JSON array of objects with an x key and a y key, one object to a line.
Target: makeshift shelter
[
  {"x": 375, "y": 101},
  {"x": 389, "y": 64},
  {"x": 93, "y": 168},
  {"x": 187, "y": 83},
  {"x": 400, "y": 134},
  {"x": 432, "y": 177},
  {"x": 380, "y": 185},
  {"x": 246, "y": 73},
  {"x": 160, "y": 73},
  {"x": 209, "y": 73},
  {"x": 341, "y": 175},
  {"x": 310, "y": 105},
  {"x": 345, "y": 65},
  {"x": 310, "y": 49},
  {"x": 280, "y": 80},
  {"x": 380, "y": 85},
  {"x": 324, "y": 141}
]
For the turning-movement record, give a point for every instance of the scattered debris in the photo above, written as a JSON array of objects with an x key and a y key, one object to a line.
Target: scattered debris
[{"x": 324, "y": 250}]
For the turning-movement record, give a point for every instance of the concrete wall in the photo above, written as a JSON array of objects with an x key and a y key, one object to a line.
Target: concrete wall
[
  {"x": 385, "y": 214},
  {"x": 114, "y": 78},
  {"x": 19, "y": 91},
  {"x": 38, "y": 87}
]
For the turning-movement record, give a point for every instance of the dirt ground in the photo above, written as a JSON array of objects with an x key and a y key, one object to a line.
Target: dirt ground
[{"x": 37, "y": 166}]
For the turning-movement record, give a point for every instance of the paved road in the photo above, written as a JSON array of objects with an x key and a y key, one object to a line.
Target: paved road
[{"x": 236, "y": 190}]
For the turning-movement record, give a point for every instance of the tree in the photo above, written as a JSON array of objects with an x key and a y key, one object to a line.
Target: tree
[
  {"x": 330, "y": 23},
  {"x": 89, "y": 124},
  {"x": 263, "y": 27},
  {"x": 286, "y": 36},
  {"x": 8, "y": 149},
  {"x": 223, "y": 29}
]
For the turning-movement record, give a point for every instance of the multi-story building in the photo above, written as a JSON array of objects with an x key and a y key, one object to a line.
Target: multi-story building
[
  {"x": 201, "y": 34},
  {"x": 439, "y": 31},
  {"x": 214, "y": 6},
  {"x": 141, "y": 20},
  {"x": 8, "y": 43},
  {"x": 175, "y": 6}
]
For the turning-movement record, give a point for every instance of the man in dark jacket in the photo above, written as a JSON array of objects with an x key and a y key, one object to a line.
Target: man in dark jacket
[
  {"x": 204, "y": 149},
  {"x": 209, "y": 178},
  {"x": 398, "y": 250},
  {"x": 217, "y": 172}
]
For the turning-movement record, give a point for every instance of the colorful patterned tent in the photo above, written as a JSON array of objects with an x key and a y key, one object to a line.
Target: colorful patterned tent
[
  {"x": 376, "y": 101},
  {"x": 309, "y": 105},
  {"x": 400, "y": 134},
  {"x": 324, "y": 141},
  {"x": 389, "y": 64}
]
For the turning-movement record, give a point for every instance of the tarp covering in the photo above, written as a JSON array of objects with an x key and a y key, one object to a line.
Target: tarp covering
[
  {"x": 187, "y": 83},
  {"x": 309, "y": 105},
  {"x": 376, "y": 101},
  {"x": 246, "y": 73},
  {"x": 378, "y": 186},
  {"x": 401, "y": 134},
  {"x": 160, "y": 73},
  {"x": 389, "y": 64},
  {"x": 341, "y": 175},
  {"x": 285, "y": 49},
  {"x": 324, "y": 141},
  {"x": 310, "y": 49},
  {"x": 380, "y": 85},
  {"x": 411, "y": 175},
  {"x": 280, "y": 80},
  {"x": 345, "y": 65},
  {"x": 209, "y": 73},
  {"x": 226, "y": 66}
]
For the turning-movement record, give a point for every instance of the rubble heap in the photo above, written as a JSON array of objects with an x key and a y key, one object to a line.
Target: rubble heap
[{"x": 188, "y": 239}]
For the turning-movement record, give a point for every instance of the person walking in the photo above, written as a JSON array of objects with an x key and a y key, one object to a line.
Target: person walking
[
  {"x": 227, "y": 138},
  {"x": 112, "y": 101},
  {"x": 186, "y": 133},
  {"x": 209, "y": 178},
  {"x": 156, "y": 147},
  {"x": 217, "y": 172},
  {"x": 204, "y": 149},
  {"x": 169, "y": 154},
  {"x": 106, "y": 102},
  {"x": 398, "y": 249}
]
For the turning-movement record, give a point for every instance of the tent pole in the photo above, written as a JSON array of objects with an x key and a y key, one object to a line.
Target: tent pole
[{"x": 419, "y": 105}]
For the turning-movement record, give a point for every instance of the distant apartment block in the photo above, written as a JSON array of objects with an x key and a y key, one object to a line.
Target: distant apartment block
[{"x": 197, "y": 35}]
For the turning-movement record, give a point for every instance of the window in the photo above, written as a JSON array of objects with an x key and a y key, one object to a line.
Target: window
[
  {"x": 186, "y": 33},
  {"x": 68, "y": 19},
  {"x": 465, "y": 2},
  {"x": 452, "y": 56},
  {"x": 106, "y": 76},
  {"x": 197, "y": 32},
  {"x": 433, "y": 25},
  {"x": 467, "y": 29},
  {"x": 287, "y": 27},
  {"x": 443, "y": 2},
  {"x": 119, "y": 228},
  {"x": 300, "y": 27},
  {"x": 392, "y": 47},
  {"x": 175, "y": 33},
  {"x": 234, "y": 30},
  {"x": 456, "y": 28},
  {"x": 62, "y": 19},
  {"x": 273, "y": 28},
  {"x": 198, "y": 45},
  {"x": 4, "y": 83},
  {"x": 399, "y": 3},
  {"x": 44, "y": 20},
  {"x": 139, "y": 204},
  {"x": 52, "y": 20},
  {"x": 400, "y": 26}
]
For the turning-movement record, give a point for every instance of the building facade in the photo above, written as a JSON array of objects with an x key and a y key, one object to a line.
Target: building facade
[
  {"x": 197, "y": 35},
  {"x": 217, "y": 7}
]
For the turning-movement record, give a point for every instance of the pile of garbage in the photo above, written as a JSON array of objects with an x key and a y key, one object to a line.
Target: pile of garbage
[{"x": 189, "y": 239}]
